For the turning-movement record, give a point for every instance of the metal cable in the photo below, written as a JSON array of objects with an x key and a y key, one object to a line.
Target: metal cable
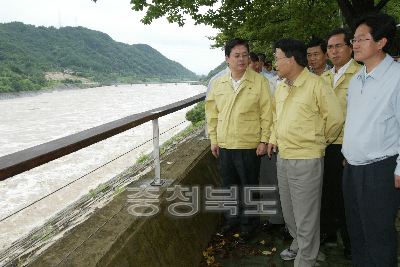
[
  {"x": 172, "y": 127},
  {"x": 104, "y": 223},
  {"x": 84, "y": 175},
  {"x": 62, "y": 224},
  {"x": 67, "y": 221}
]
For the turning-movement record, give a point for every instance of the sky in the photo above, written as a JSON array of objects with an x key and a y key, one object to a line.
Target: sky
[{"x": 187, "y": 45}]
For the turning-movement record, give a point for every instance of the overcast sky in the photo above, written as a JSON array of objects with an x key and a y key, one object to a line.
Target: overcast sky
[{"x": 187, "y": 45}]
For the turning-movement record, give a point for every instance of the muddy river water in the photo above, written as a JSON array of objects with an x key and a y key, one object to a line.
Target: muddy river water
[{"x": 37, "y": 117}]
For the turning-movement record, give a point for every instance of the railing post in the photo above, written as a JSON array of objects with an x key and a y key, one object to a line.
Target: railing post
[
  {"x": 30, "y": 158},
  {"x": 156, "y": 152}
]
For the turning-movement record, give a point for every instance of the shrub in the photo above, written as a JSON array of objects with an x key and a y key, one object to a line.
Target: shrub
[
  {"x": 142, "y": 158},
  {"x": 196, "y": 114}
]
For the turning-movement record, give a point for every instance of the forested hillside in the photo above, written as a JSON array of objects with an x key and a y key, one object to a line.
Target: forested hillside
[
  {"x": 26, "y": 51},
  {"x": 211, "y": 74}
]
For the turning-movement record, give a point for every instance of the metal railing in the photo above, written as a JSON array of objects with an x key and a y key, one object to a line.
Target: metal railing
[{"x": 30, "y": 158}]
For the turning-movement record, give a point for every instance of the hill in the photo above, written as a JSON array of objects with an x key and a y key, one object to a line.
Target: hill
[
  {"x": 211, "y": 74},
  {"x": 29, "y": 50}
]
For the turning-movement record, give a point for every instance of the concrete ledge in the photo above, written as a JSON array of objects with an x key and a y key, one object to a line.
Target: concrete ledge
[{"x": 114, "y": 237}]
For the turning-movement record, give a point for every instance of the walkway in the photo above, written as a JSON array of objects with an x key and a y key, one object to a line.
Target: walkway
[{"x": 263, "y": 251}]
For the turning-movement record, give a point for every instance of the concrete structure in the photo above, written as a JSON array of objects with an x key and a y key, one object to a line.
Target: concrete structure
[{"x": 162, "y": 240}]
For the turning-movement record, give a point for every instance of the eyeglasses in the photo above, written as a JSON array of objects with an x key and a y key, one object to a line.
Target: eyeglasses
[
  {"x": 360, "y": 41},
  {"x": 337, "y": 46}
]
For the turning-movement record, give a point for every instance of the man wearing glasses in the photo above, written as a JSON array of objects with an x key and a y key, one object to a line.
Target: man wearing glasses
[
  {"x": 306, "y": 118},
  {"x": 371, "y": 145},
  {"x": 238, "y": 110},
  {"x": 332, "y": 205}
]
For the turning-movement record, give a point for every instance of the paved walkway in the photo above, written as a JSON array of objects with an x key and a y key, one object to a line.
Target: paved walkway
[{"x": 263, "y": 251}]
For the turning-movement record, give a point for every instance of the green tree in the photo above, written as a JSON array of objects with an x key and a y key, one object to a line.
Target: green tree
[
  {"x": 263, "y": 21},
  {"x": 196, "y": 114},
  {"x": 211, "y": 74},
  {"x": 28, "y": 51}
]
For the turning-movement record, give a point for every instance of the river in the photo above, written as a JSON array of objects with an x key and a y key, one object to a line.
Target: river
[{"x": 34, "y": 118}]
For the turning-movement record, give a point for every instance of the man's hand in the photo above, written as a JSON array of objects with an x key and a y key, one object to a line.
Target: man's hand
[
  {"x": 215, "y": 150},
  {"x": 397, "y": 181},
  {"x": 271, "y": 147},
  {"x": 261, "y": 149}
]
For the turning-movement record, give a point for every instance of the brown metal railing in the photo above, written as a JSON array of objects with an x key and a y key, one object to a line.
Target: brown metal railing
[{"x": 30, "y": 158}]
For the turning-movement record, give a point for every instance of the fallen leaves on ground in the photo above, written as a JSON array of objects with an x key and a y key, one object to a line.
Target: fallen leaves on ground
[{"x": 223, "y": 247}]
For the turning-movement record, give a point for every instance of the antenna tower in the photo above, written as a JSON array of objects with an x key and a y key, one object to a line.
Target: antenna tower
[{"x": 59, "y": 19}]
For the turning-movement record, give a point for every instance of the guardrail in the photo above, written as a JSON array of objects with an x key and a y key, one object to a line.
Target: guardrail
[{"x": 30, "y": 158}]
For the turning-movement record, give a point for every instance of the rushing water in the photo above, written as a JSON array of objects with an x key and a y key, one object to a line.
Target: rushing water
[{"x": 35, "y": 118}]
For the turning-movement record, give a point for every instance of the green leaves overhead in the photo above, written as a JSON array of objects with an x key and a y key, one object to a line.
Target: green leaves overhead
[{"x": 264, "y": 21}]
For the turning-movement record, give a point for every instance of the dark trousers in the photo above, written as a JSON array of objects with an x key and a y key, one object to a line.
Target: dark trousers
[
  {"x": 332, "y": 203},
  {"x": 240, "y": 167},
  {"x": 372, "y": 203}
]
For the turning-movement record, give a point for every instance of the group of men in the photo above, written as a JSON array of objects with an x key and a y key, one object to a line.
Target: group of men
[{"x": 328, "y": 173}]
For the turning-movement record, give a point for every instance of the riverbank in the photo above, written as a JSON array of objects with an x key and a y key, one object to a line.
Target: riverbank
[
  {"x": 24, "y": 250},
  {"x": 67, "y": 86},
  {"x": 56, "y": 88},
  {"x": 31, "y": 121}
]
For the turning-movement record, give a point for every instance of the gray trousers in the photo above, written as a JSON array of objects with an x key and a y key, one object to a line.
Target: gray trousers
[
  {"x": 300, "y": 188},
  {"x": 268, "y": 177}
]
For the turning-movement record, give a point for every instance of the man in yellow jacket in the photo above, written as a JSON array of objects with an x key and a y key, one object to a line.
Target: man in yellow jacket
[
  {"x": 306, "y": 118},
  {"x": 238, "y": 111},
  {"x": 332, "y": 204}
]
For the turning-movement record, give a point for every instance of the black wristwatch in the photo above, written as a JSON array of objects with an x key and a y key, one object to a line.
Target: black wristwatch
[{"x": 265, "y": 143}]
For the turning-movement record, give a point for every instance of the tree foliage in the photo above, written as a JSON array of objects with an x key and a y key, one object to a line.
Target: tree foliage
[
  {"x": 264, "y": 21},
  {"x": 196, "y": 114}
]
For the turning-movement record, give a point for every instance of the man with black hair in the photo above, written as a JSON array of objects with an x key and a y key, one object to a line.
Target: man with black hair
[
  {"x": 238, "y": 110},
  {"x": 254, "y": 62},
  {"x": 266, "y": 74},
  {"x": 269, "y": 69},
  {"x": 332, "y": 205},
  {"x": 306, "y": 118},
  {"x": 317, "y": 56},
  {"x": 371, "y": 145}
]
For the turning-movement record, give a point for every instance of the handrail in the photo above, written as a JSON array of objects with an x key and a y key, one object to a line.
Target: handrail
[{"x": 30, "y": 158}]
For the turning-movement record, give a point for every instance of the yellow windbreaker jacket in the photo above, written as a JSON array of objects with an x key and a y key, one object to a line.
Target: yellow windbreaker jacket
[
  {"x": 340, "y": 89},
  {"x": 305, "y": 119},
  {"x": 241, "y": 119}
]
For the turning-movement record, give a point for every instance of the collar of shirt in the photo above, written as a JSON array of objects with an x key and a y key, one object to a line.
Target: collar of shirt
[
  {"x": 367, "y": 74},
  {"x": 237, "y": 84},
  {"x": 301, "y": 78},
  {"x": 340, "y": 72},
  {"x": 379, "y": 70}
]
